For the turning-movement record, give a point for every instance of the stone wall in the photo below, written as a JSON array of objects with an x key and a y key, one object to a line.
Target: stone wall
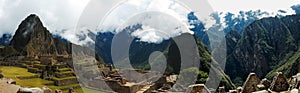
[
  {"x": 28, "y": 77},
  {"x": 33, "y": 70},
  {"x": 65, "y": 81},
  {"x": 63, "y": 75}
]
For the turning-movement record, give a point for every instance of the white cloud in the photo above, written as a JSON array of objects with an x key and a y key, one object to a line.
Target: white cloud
[
  {"x": 58, "y": 15},
  {"x": 235, "y": 6},
  {"x": 55, "y": 14}
]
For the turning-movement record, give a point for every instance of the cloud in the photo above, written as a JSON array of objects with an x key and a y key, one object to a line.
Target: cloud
[
  {"x": 61, "y": 16},
  {"x": 160, "y": 19},
  {"x": 55, "y": 14}
]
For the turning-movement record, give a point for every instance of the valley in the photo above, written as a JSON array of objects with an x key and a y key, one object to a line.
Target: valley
[{"x": 264, "y": 58}]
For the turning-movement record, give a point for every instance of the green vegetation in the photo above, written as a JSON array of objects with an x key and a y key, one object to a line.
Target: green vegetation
[
  {"x": 67, "y": 72},
  {"x": 55, "y": 78},
  {"x": 64, "y": 69},
  {"x": 12, "y": 72},
  {"x": 286, "y": 66},
  {"x": 8, "y": 51},
  {"x": 64, "y": 87},
  {"x": 87, "y": 90},
  {"x": 202, "y": 77}
]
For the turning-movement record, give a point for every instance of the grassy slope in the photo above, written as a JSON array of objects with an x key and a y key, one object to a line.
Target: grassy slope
[{"x": 11, "y": 72}]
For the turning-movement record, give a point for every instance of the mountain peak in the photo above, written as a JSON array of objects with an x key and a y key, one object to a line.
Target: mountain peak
[{"x": 32, "y": 38}]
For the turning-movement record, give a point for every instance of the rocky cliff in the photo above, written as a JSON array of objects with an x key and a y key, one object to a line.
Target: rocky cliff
[
  {"x": 33, "y": 39},
  {"x": 267, "y": 45}
]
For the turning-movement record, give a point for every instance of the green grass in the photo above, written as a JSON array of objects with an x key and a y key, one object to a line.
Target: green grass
[
  {"x": 62, "y": 87},
  {"x": 87, "y": 90},
  {"x": 12, "y": 72},
  {"x": 55, "y": 78},
  {"x": 67, "y": 72},
  {"x": 64, "y": 69},
  {"x": 2, "y": 46}
]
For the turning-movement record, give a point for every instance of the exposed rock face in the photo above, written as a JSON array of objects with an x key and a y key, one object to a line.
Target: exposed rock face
[
  {"x": 199, "y": 88},
  {"x": 251, "y": 83},
  {"x": 33, "y": 39},
  {"x": 279, "y": 83},
  {"x": 232, "y": 39},
  {"x": 266, "y": 43}
]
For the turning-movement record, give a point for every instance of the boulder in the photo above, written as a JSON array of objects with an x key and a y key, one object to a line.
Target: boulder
[
  {"x": 261, "y": 87},
  {"x": 251, "y": 84},
  {"x": 295, "y": 91},
  {"x": 279, "y": 83},
  {"x": 30, "y": 90},
  {"x": 46, "y": 90},
  {"x": 58, "y": 91},
  {"x": 198, "y": 88},
  {"x": 11, "y": 81}
]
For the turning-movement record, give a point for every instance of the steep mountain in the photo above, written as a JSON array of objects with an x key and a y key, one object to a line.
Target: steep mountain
[
  {"x": 33, "y": 39},
  {"x": 267, "y": 44},
  {"x": 208, "y": 65},
  {"x": 139, "y": 53},
  {"x": 232, "y": 39}
]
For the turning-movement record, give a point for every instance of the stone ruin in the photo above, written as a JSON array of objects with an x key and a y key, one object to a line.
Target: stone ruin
[
  {"x": 251, "y": 83},
  {"x": 295, "y": 82},
  {"x": 221, "y": 89},
  {"x": 46, "y": 89},
  {"x": 198, "y": 88},
  {"x": 239, "y": 89},
  {"x": 279, "y": 83},
  {"x": 264, "y": 84}
]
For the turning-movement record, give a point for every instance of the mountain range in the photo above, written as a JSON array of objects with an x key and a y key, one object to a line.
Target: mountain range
[
  {"x": 254, "y": 44},
  {"x": 267, "y": 46}
]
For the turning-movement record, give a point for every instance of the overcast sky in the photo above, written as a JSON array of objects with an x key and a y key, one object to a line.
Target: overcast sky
[{"x": 64, "y": 14}]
